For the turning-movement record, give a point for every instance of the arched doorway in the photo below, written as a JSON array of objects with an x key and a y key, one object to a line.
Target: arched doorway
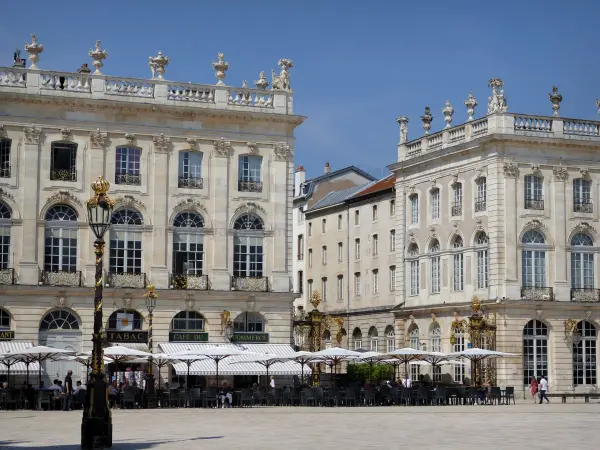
[{"x": 61, "y": 329}]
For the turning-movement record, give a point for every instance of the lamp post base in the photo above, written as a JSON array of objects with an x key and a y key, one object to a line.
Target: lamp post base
[
  {"x": 150, "y": 394},
  {"x": 96, "y": 426}
]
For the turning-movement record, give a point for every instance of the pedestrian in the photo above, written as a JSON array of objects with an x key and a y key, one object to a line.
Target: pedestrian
[
  {"x": 272, "y": 384},
  {"x": 544, "y": 390},
  {"x": 68, "y": 398},
  {"x": 533, "y": 387}
]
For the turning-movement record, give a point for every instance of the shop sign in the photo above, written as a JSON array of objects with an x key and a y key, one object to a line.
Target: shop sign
[
  {"x": 250, "y": 337},
  {"x": 132, "y": 337},
  {"x": 177, "y": 336},
  {"x": 7, "y": 335}
]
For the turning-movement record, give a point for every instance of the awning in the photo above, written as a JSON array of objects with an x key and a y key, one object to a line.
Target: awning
[
  {"x": 208, "y": 366},
  {"x": 134, "y": 346},
  {"x": 17, "y": 368}
]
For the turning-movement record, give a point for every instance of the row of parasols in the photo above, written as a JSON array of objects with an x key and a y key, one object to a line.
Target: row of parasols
[{"x": 331, "y": 357}]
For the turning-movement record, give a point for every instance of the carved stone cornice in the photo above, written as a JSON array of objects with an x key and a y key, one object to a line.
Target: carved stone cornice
[
  {"x": 98, "y": 139},
  {"x": 535, "y": 224},
  {"x": 252, "y": 148},
  {"x": 189, "y": 204},
  {"x": 162, "y": 144},
  {"x": 222, "y": 148},
  {"x": 511, "y": 169},
  {"x": 282, "y": 151},
  {"x": 65, "y": 134},
  {"x": 64, "y": 197},
  {"x": 249, "y": 208},
  {"x": 6, "y": 194},
  {"x": 129, "y": 201},
  {"x": 1, "y": 130},
  {"x": 130, "y": 138},
  {"x": 560, "y": 172},
  {"x": 585, "y": 172},
  {"x": 584, "y": 227},
  {"x": 32, "y": 134},
  {"x": 192, "y": 143},
  {"x": 481, "y": 172}
]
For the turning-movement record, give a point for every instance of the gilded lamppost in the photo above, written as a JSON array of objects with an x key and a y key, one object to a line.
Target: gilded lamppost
[
  {"x": 482, "y": 331},
  {"x": 312, "y": 324},
  {"x": 96, "y": 427},
  {"x": 150, "y": 297}
]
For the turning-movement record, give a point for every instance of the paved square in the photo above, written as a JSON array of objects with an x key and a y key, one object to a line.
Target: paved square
[{"x": 525, "y": 425}]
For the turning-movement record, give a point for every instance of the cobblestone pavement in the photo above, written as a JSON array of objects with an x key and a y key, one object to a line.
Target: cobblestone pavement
[{"x": 526, "y": 426}]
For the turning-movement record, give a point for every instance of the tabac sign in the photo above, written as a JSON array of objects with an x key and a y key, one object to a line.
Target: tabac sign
[
  {"x": 175, "y": 336},
  {"x": 132, "y": 337},
  {"x": 250, "y": 337},
  {"x": 7, "y": 335}
]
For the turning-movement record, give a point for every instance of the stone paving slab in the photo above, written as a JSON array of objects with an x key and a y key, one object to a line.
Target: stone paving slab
[{"x": 525, "y": 426}]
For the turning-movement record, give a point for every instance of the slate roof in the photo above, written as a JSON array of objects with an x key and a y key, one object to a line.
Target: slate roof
[
  {"x": 336, "y": 197},
  {"x": 326, "y": 176}
]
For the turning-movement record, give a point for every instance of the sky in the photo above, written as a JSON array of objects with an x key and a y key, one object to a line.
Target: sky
[{"x": 357, "y": 65}]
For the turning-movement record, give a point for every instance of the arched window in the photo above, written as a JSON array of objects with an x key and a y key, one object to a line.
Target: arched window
[
  {"x": 63, "y": 161},
  {"x": 5, "y": 249},
  {"x": 535, "y": 350},
  {"x": 582, "y": 266},
  {"x": 584, "y": 355},
  {"x": 127, "y": 166},
  {"x": 373, "y": 339},
  {"x": 327, "y": 339},
  {"x": 190, "y": 170},
  {"x": 414, "y": 343},
  {"x": 249, "y": 322},
  {"x": 533, "y": 260},
  {"x": 434, "y": 261},
  {"x": 188, "y": 321},
  {"x": 390, "y": 336},
  {"x": 125, "y": 320},
  {"x": 126, "y": 242},
  {"x": 4, "y": 319},
  {"x": 5, "y": 145},
  {"x": 435, "y": 345},
  {"x": 357, "y": 338},
  {"x": 413, "y": 269},
  {"x": 458, "y": 269},
  {"x": 248, "y": 247},
  {"x": 188, "y": 244},
  {"x": 59, "y": 320},
  {"x": 482, "y": 260},
  {"x": 60, "y": 249}
]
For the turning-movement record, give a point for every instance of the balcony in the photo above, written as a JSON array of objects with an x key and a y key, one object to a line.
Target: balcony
[
  {"x": 126, "y": 280},
  {"x": 183, "y": 281},
  {"x": 61, "y": 278},
  {"x": 456, "y": 209},
  {"x": 480, "y": 205},
  {"x": 250, "y": 284},
  {"x": 585, "y": 295},
  {"x": 63, "y": 175},
  {"x": 536, "y": 203},
  {"x": 7, "y": 276},
  {"x": 250, "y": 186},
  {"x": 190, "y": 182},
  {"x": 583, "y": 205},
  {"x": 128, "y": 178},
  {"x": 537, "y": 293}
]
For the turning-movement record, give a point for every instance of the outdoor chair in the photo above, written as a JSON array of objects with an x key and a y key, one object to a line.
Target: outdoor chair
[
  {"x": 405, "y": 396},
  {"x": 258, "y": 398},
  {"x": 332, "y": 397},
  {"x": 369, "y": 398},
  {"x": 210, "y": 398},
  {"x": 386, "y": 395},
  {"x": 495, "y": 395},
  {"x": 349, "y": 397},
  {"x": 472, "y": 395},
  {"x": 395, "y": 395},
  {"x": 440, "y": 396},
  {"x": 318, "y": 392},
  {"x": 165, "y": 399},
  {"x": 195, "y": 397},
  {"x": 246, "y": 398},
  {"x": 128, "y": 398},
  {"x": 508, "y": 394},
  {"x": 307, "y": 397},
  {"x": 422, "y": 398},
  {"x": 182, "y": 398},
  {"x": 460, "y": 395}
]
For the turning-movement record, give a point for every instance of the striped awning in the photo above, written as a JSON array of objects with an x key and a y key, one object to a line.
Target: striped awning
[
  {"x": 134, "y": 346},
  {"x": 18, "y": 368},
  {"x": 208, "y": 366}
]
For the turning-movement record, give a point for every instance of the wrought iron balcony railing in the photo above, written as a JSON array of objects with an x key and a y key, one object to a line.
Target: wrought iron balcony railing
[
  {"x": 456, "y": 209},
  {"x": 583, "y": 205},
  {"x": 184, "y": 281},
  {"x": 537, "y": 293},
  {"x": 536, "y": 203},
  {"x": 250, "y": 186},
  {"x": 128, "y": 178},
  {"x": 585, "y": 295},
  {"x": 250, "y": 284},
  {"x": 480, "y": 205},
  {"x": 126, "y": 280},
  {"x": 61, "y": 278},
  {"x": 7, "y": 276},
  {"x": 190, "y": 182},
  {"x": 63, "y": 175}
]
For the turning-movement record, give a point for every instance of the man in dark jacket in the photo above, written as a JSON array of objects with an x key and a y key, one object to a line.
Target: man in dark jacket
[{"x": 68, "y": 398}]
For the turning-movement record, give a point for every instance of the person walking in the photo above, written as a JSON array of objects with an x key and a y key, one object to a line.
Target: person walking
[
  {"x": 533, "y": 387},
  {"x": 68, "y": 398},
  {"x": 543, "y": 390}
]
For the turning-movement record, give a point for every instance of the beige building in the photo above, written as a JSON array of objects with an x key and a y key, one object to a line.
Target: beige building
[
  {"x": 502, "y": 207},
  {"x": 203, "y": 179}
]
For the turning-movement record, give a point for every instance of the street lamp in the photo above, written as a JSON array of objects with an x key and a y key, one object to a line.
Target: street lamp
[
  {"x": 151, "y": 297},
  {"x": 96, "y": 427}
]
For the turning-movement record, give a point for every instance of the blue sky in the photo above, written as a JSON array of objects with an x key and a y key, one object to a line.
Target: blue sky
[{"x": 358, "y": 64}]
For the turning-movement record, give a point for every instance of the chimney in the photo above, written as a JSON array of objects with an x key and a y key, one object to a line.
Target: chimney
[
  {"x": 327, "y": 168},
  {"x": 299, "y": 178}
]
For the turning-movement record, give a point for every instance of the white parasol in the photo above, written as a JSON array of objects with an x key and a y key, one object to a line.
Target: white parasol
[{"x": 38, "y": 354}]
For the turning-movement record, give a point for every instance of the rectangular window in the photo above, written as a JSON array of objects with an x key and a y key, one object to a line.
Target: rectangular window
[
  {"x": 324, "y": 255},
  {"x": 301, "y": 247},
  {"x": 125, "y": 252},
  {"x": 482, "y": 269},
  {"x": 5, "y": 251},
  {"x": 582, "y": 196},
  {"x": 248, "y": 256},
  {"x": 414, "y": 209},
  {"x": 534, "y": 195},
  {"x": 457, "y": 199},
  {"x": 357, "y": 284},
  {"x": 374, "y": 213},
  {"x": 63, "y": 162},
  {"x": 375, "y": 281},
  {"x": 301, "y": 215},
  {"x": 324, "y": 289},
  {"x": 375, "y": 245},
  {"x": 459, "y": 366},
  {"x": 249, "y": 179},
  {"x": 392, "y": 278},
  {"x": 357, "y": 218},
  {"x": 188, "y": 254},
  {"x": 392, "y": 240},
  {"x": 357, "y": 249},
  {"x": 340, "y": 287},
  {"x": 5, "y": 158},
  {"x": 480, "y": 200},
  {"x": 458, "y": 272},
  {"x": 435, "y": 275},
  {"x": 340, "y": 252},
  {"x": 414, "y": 277},
  {"x": 534, "y": 268},
  {"x": 582, "y": 270},
  {"x": 310, "y": 228},
  {"x": 310, "y": 289},
  {"x": 310, "y": 255},
  {"x": 340, "y": 222},
  {"x": 60, "y": 249},
  {"x": 392, "y": 208},
  {"x": 190, "y": 170},
  {"x": 300, "y": 281},
  {"x": 435, "y": 204},
  {"x": 324, "y": 226},
  {"x": 127, "y": 166},
  {"x": 374, "y": 343}
]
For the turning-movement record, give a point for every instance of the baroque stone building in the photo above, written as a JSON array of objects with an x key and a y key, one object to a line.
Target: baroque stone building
[
  {"x": 502, "y": 208},
  {"x": 203, "y": 179}
]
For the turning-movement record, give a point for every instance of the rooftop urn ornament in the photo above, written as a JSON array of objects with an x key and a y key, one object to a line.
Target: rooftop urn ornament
[
  {"x": 427, "y": 118},
  {"x": 497, "y": 102},
  {"x": 555, "y": 98},
  {"x": 34, "y": 49},
  {"x": 403, "y": 121},
  {"x": 97, "y": 54},
  {"x": 262, "y": 82},
  {"x": 282, "y": 81},
  {"x": 470, "y": 103},
  {"x": 157, "y": 65},
  {"x": 448, "y": 111},
  {"x": 220, "y": 66}
]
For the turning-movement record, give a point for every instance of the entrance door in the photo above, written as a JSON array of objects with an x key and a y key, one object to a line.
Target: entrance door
[{"x": 60, "y": 329}]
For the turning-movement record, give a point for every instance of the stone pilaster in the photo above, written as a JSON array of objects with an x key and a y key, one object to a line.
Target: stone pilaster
[
  {"x": 559, "y": 204},
  {"x": 511, "y": 173},
  {"x": 282, "y": 223}
]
